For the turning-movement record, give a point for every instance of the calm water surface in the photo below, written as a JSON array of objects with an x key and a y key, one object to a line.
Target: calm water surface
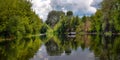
[
  {"x": 80, "y": 48},
  {"x": 78, "y": 54},
  {"x": 77, "y": 47}
]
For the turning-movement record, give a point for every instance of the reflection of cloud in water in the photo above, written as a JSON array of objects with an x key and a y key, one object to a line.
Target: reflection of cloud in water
[
  {"x": 41, "y": 54},
  {"x": 78, "y": 54}
]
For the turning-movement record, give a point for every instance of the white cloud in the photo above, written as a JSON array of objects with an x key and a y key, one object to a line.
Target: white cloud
[
  {"x": 41, "y": 7},
  {"x": 79, "y": 7}
]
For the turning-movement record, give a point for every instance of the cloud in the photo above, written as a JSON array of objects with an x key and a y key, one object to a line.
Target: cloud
[
  {"x": 79, "y": 7},
  {"x": 41, "y": 7},
  {"x": 96, "y": 3}
]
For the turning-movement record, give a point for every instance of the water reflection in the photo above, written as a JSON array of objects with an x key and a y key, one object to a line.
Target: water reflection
[
  {"x": 106, "y": 47},
  {"x": 78, "y": 47},
  {"x": 19, "y": 49}
]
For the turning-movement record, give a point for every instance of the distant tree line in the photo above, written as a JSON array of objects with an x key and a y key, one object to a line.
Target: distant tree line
[
  {"x": 105, "y": 20},
  {"x": 18, "y": 19}
]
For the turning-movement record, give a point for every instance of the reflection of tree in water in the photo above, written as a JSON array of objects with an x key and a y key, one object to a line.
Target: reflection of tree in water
[
  {"x": 68, "y": 44},
  {"x": 61, "y": 44},
  {"x": 53, "y": 48},
  {"x": 106, "y": 47},
  {"x": 84, "y": 41},
  {"x": 19, "y": 49}
]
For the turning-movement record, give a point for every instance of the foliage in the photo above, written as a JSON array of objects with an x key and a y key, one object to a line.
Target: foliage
[
  {"x": 66, "y": 24},
  {"x": 106, "y": 19},
  {"x": 19, "y": 49},
  {"x": 54, "y": 17},
  {"x": 44, "y": 28},
  {"x": 111, "y": 15},
  {"x": 17, "y": 18},
  {"x": 69, "y": 13}
]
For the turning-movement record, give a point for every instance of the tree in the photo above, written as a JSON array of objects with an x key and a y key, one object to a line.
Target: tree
[
  {"x": 96, "y": 26},
  {"x": 17, "y": 18},
  {"x": 54, "y": 17},
  {"x": 111, "y": 11},
  {"x": 69, "y": 13}
]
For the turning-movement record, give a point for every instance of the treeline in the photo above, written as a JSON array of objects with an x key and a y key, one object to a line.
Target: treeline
[
  {"x": 67, "y": 23},
  {"x": 18, "y": 19},
  {"x": 106, "y": 20}
]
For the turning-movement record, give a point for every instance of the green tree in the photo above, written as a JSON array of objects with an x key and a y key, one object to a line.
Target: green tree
[
  {"x": 111, "y": 11},
  {"x": 54, "y": 17},
  {"x": 69, "y": 13},
  {"x": 17, "y": 18}
]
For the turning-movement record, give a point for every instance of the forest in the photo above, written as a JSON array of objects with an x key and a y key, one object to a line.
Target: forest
[
  {"x": 25, "y": 36},
  {"x": 105, "y": 21},
  {"x": 18, "y": 19}
]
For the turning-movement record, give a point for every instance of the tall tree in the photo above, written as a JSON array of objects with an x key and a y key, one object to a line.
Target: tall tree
[
  {"x": 54, "y": 17},
  {"x": 17, "y": 18},
  {"x": 110, "y": 9}
]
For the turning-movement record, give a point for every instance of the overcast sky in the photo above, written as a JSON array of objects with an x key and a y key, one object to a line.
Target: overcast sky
[{"x": 79, "y": 7}]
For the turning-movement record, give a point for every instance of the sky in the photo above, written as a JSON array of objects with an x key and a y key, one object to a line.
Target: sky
[{"x": 79, "y": 7}]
